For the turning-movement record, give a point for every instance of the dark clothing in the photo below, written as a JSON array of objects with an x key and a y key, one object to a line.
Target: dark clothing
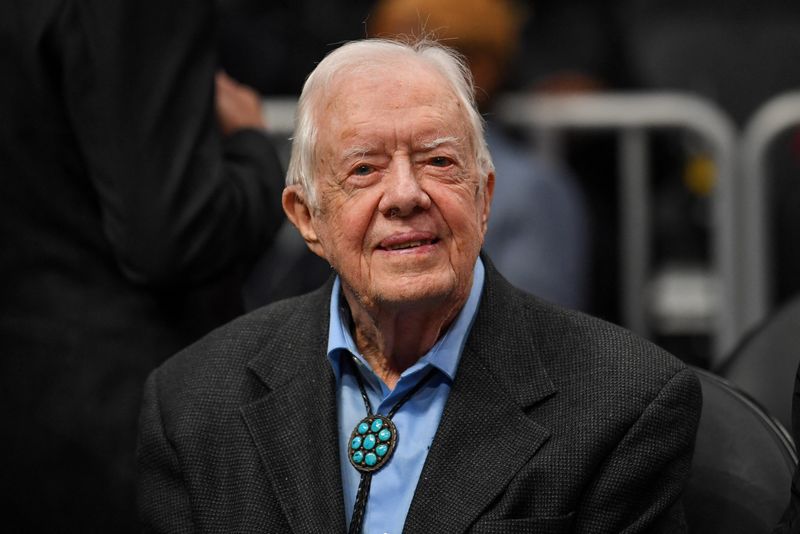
[
  {"x": 258, "y": 39},
  {"x": 790, "y": 522},
  {"x": 555, "y": 421},
  {"x": 126, "y": 224}
]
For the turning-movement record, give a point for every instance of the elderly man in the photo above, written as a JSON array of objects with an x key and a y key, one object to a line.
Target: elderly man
[{"x": 417, "y": 391}]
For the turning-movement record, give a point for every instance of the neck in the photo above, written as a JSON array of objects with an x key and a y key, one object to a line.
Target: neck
[{"x": 392, "y": 340}]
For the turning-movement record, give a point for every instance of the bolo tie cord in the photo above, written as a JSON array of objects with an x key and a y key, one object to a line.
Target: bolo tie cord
[{"x": 360, "y": 506}]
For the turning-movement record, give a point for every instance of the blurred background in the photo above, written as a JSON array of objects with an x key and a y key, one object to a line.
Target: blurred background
[
  {"x": 647, "y": 155},
  {"x": 666, "y": 238}
]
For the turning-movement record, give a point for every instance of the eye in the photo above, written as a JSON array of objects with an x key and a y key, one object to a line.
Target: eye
[
  {"x": 363, "y": 170},
  {"x": 440, "y": 161}
]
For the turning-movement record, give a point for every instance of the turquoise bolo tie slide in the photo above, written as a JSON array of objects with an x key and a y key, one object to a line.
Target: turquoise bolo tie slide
[{"x": 372, "y": 443}]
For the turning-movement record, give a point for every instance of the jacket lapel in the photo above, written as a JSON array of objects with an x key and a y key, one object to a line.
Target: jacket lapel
[
  {"x": 294, "y": 425},
  {"x": 485, "y": 435}
]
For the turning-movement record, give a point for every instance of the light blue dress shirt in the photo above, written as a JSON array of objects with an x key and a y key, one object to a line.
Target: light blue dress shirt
[{"x": 417, "y": 420}]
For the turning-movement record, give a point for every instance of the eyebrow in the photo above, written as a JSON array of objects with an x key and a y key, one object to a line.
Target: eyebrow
[
  {"x": 431, "y": 145},
  {"x": 356, "y": 151},
  {"x": 362, "y": 150}
]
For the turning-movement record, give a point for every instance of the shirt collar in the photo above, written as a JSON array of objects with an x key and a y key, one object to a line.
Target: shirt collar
[{"x": 444, "y": 355}]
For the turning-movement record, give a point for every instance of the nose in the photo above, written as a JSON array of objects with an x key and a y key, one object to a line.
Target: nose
[{"x": 403, "y": 194}]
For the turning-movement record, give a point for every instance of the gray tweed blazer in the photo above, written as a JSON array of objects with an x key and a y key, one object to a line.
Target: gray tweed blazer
[{"x": 556, "y": 422}]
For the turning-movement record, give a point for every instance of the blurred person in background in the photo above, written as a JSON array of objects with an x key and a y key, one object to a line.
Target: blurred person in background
[
  {"x": 258, "y": 39},
  {"x": 539, "y": 235},
  {"x": 127, "y": 221},
  {"x": 572, "y": 47}
]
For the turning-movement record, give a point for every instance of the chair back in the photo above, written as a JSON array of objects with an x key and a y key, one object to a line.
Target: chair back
[
  {"x": 743, "y": 464},
  {"x": 765, "y": 362}
]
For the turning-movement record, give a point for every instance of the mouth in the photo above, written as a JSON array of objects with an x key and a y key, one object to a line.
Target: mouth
[{"x": 407, "y": 242}]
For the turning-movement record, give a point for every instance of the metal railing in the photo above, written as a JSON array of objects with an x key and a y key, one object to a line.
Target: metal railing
[
  {"x": 768, "y": 122},
  {"x": 632, "y": 116}
]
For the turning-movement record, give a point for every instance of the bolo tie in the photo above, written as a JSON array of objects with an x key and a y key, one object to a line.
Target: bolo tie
[{"x": 371, "y": 445}]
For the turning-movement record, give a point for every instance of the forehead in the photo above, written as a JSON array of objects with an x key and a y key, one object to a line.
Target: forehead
[{"x": 400, "y": 97}]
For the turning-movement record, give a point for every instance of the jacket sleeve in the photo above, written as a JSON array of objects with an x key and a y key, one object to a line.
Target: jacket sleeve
[
  {"x": 179, "y": 204},
  {"x": 163, "y": 499},
  {"x": 638, "y": 488}
]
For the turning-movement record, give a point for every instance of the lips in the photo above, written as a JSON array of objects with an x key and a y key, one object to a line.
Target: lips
[
  {"x": 408, "y": 240},
  {"x": 412, "y": 244}
]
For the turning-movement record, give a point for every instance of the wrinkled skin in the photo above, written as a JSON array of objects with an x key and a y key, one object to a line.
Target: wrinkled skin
[{"x": 402, "y": 212}]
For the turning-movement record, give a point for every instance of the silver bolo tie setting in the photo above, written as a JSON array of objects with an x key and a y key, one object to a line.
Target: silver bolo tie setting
[{"x": 372, "y": 443}]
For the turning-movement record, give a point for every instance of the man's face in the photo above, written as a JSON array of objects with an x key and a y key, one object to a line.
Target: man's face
[{"x": 401, "y": 212}]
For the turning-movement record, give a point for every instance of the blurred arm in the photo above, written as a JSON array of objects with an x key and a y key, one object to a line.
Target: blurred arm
[{"x": 179, "y": 203}]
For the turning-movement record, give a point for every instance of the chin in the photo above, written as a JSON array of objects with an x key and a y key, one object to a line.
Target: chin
[{"x": 422, "y": 289}]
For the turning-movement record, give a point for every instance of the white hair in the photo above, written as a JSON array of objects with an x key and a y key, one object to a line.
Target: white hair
[{"x": 369, "y": 53}]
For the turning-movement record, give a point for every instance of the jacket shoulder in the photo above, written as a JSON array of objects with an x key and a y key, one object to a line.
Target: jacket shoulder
[
  {"x": 587, "y": 354},
  {"x": 281, "y": 334},
  {"x": 581, "y": 354}
]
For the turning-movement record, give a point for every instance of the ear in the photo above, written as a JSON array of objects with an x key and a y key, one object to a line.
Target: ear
[
  {"x": 488, "y": 194},
  {"x": 300, "y": 214}
]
